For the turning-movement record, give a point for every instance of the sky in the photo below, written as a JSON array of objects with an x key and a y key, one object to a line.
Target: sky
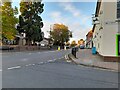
[{"x": 76, "y": 15}]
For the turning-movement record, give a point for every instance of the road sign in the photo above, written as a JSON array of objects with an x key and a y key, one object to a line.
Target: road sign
[{"x": 95, "y": 20}]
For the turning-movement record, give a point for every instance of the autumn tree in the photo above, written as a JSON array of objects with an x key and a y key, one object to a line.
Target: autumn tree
[
  {"x": 81, "y": 42},
  {"x": 68, "y": 43},
  {"x": 73, "y": 43},
  {"x": 30, "y": 21},
  {"x": 60, "y": 34},
  {"x": 8, "y": 20}
]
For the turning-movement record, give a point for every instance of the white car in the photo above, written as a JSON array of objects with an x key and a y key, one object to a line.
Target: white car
[{"x": 43, "y": 45}]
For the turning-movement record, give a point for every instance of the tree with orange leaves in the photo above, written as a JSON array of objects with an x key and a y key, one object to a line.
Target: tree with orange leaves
[{"x": 60, "y": 34}]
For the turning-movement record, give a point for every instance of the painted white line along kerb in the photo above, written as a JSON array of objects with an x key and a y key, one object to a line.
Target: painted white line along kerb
[
  {"x": 0, "y": 70},
  {"x": 17, "y": 67}
]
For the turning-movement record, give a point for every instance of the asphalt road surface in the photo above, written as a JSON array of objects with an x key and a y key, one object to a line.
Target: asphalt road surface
[{"x": 49, "y": 69}]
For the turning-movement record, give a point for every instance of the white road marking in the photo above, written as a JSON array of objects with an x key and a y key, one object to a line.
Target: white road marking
[
  {"x": 0, "y": 70},
  {"x": 17, "y": 67},
  {"x": 33, "y": 64},
  {"x": 25, "y": 59},
  {"x": 30, "y": 53},
  {"x": 45, "y": 62},
  {"x": 39, "y": 52},
  {"x": 40, "y": 63},
  {"x": 50, "y": 60},
  {"x": 28, "y": 65}
]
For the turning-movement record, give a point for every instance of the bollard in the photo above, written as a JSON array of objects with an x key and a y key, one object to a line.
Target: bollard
[
  {"x": 58, "y": 48},
  {"x": 94, "y": 51},
  {"x": 74, "y": 52}
]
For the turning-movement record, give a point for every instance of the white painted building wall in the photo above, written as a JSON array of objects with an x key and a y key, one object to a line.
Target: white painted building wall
[{"x": 105, "y": 39}]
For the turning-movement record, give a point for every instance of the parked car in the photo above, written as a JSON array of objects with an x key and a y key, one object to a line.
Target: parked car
[{"x": 43, "y": 45}]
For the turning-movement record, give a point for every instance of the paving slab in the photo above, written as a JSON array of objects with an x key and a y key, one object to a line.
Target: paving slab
[{"x": 85, "y": 57}]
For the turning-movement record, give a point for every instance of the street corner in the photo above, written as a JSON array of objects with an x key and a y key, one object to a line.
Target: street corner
[{"x": 70, "y": 58}]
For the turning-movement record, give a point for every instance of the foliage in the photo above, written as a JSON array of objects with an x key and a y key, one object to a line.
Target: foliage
[
  {"x": 30, "y": 21},
  {"x": 8, "y": 20},
  {"x": 81, "y": 42},
  {"x": 67, "y": 44},
  {"x": 73, "y": 43},
  {"x": 60, "y": 34}
]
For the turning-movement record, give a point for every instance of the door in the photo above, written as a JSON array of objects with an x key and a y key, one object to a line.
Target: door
[{"x": 118, "y": 44}]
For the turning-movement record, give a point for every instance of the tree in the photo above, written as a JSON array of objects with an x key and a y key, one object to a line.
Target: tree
[
  {"x": 8, "y": 20},
  {"x": 73, "y": 43},
  {"x": 81, "y": 42},
  {"x": 60, "y": 34},
  {"x": 30, "y": 21},
  {"x": 68, "y": 43}
]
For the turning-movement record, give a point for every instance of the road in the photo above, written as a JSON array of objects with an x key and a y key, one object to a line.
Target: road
[{"x": 49, "y": 69}]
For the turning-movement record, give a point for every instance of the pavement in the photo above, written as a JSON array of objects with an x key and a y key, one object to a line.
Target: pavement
[
  {"x": 85, "y": 57},
  {"x": 27, "y": 49}
]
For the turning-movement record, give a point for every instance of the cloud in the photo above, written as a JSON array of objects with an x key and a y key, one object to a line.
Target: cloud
[
  {"x": 70, "y": 8},
  {"x": 73, "y": 0},
  {"x": 77, "y": 13},
  {"x": 57, "y": 17},
  {"x": 77, "y": 25},
  {"x": 55, "y": 14}
]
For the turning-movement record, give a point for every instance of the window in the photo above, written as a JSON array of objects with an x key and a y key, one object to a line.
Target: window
[{"x": 118, "y": 9}]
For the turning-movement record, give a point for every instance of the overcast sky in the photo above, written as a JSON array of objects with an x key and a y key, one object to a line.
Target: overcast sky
[{"x": 76, "y": 15}]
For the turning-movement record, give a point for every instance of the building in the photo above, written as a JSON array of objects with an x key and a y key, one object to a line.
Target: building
[
  {"x": 46, "y": 42},
  {"x": 106, "y": 36},
  {"x": 89, "y": 42}
]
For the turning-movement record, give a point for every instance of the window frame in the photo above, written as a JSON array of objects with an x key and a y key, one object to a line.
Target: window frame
[{"x": 118, "y": 9}]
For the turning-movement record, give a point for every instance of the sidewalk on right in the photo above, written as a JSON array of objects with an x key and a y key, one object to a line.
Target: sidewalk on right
[{"x": 86, "y": 58}]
